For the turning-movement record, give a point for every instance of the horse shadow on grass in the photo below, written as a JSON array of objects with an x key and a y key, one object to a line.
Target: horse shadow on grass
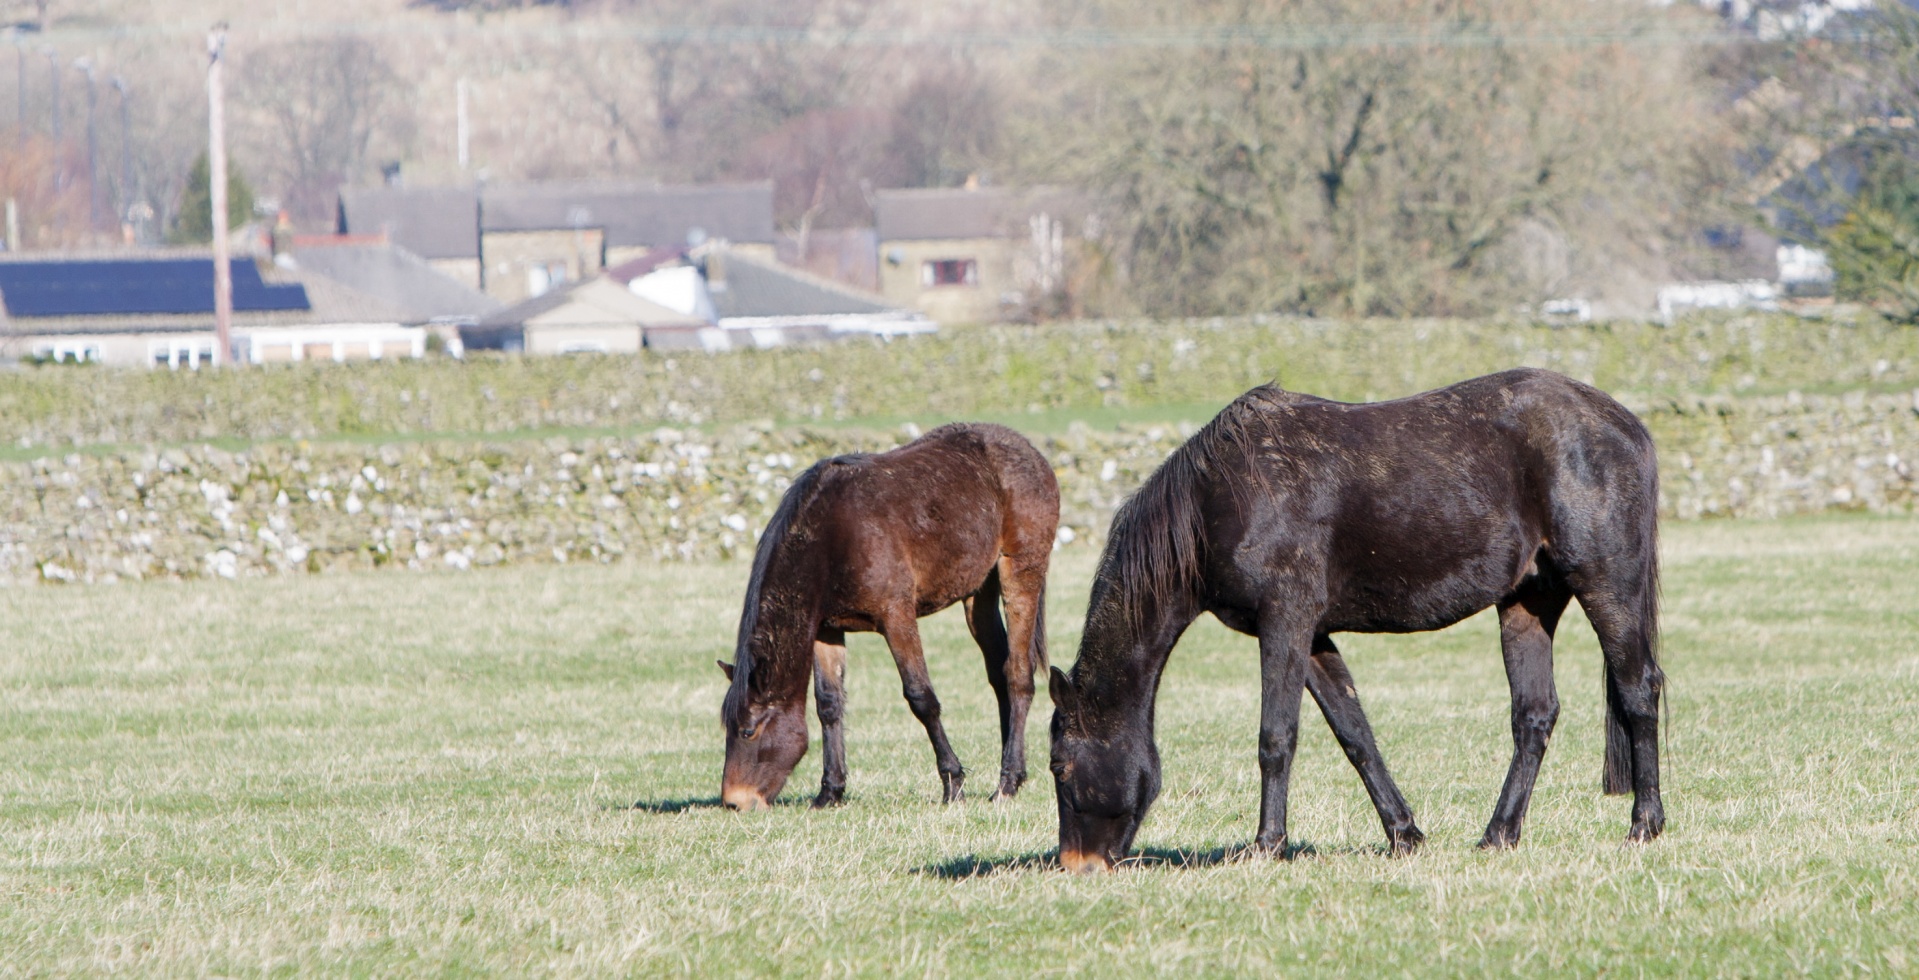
[
  {"x": 685, "y": 803},
  {"x": 974, "y": 866}
]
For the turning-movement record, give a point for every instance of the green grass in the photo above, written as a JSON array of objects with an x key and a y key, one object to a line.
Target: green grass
[{"x": 389, "y": 775}]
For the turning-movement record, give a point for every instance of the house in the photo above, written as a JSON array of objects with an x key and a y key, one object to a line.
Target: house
[
  {"x": 438, "y": 224},
  {"x": 972, "y": 255},
  {"x": 751, "y": 301},
  {"x": 595, "y": 316},
  {"x": 514, "y": 241},
  {"x": 155, "y": 309}
]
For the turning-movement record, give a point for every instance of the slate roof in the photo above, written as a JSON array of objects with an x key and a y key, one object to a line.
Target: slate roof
[
  {"x": 760, "y": 289},
  {"x": 926, "y": 214},
  {"x": 607, "y": 295},
  {"x": 431, "y": 222},
  {"x": 397, "y": 277},
  {"x": 443, "y": 222},
  {"x": 636, "y": 215}
]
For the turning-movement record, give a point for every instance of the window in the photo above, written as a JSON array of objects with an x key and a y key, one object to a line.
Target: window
[
  {"x": 68, "y": 352},
  {"x": 949, "y": 272},
  {"x": 179, "y": 354}
]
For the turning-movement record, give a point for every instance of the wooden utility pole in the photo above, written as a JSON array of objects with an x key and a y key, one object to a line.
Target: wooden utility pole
[{"x": 217, "y": 176}]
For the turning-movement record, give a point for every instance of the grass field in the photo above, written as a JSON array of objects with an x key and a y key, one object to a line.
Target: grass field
[{"x": 386, "y": 775}]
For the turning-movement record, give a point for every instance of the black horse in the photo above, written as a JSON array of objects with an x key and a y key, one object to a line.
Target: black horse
[{"x": 1291, "y": 518}]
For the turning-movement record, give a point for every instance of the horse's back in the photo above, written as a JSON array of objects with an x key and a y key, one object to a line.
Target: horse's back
[
  {"x": 1425, "y": 509},
  {"x": 938, "y": 512}
]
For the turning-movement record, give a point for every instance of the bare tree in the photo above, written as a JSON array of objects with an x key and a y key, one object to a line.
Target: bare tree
[
  {"x": 1333, "y": 175},
  {"x": 319, "y": 111}
]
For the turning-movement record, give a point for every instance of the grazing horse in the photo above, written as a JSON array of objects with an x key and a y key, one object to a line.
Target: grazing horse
[
  {"x": 1291, "y": 518},
  {"x": 965, "y": 513}
]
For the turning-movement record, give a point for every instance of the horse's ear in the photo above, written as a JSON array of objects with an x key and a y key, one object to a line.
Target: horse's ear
[
  {"x": 1065, "y": 698},
  {"x": 725, "y": 668}
]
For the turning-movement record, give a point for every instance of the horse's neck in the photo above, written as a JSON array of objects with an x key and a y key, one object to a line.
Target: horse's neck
[
  {"x": 784, "y": 628},
  {"x": 1129, "y": 648}
]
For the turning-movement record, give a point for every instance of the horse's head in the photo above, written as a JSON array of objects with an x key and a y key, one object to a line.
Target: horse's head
[
  {"x": 1104, "y": 781},
  {"x": 764, "y": 742}
]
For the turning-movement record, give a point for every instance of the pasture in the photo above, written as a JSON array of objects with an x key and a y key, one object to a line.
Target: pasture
[{"x": 405, "y": 774}]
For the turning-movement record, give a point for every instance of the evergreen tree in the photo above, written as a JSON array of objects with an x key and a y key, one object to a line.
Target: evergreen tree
[{"x": 193, "y": 225}]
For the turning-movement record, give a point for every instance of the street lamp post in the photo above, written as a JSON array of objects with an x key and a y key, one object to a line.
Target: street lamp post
[
  {"x": 20, "y": 87},
  {"x": 85, "y": 66},
  {"x": 126, "y": 151},
  {"x": 53, "y": 72}
]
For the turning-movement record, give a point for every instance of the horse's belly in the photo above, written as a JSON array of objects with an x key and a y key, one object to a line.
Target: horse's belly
[{"x": 1384, "y": 604}]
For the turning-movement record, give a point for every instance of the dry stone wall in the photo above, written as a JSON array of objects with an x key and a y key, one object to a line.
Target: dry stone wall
[{"x": 677, "y": 495}]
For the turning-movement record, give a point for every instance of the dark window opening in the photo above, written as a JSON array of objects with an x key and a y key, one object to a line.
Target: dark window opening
[{"x": 950, "y": 272}]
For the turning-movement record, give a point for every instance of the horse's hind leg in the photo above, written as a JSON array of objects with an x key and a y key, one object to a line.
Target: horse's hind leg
[
  {"x": 1526, "y": 624},
  {"x": 1023, "y": 587},
  {"x": 829, "y": 695},
  {"x": 1633, "y": 685},
  {"x": 983, "y": 618},
  {"x": 1332, "y": 688},
  {"x": 902, "y": 634}
]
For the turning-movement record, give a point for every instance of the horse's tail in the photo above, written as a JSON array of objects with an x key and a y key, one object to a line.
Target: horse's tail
[{"x": 1644, "y": 634}]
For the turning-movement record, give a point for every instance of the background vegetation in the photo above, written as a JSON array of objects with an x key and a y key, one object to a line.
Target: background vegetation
[{"x": 1330, "y": 158}]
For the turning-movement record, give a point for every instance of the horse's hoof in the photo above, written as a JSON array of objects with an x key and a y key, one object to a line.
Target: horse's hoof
[
  {"x": 1406, "y": 841},
  {"x": 953, "y": 788},
  {"x": 1274, "y": 848},
  {"x": 1499, "y": 839},
  {"x": 829, "y": 798}
]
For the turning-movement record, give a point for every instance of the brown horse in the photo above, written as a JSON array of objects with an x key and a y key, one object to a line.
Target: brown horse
[
  {"x": 1293, "y": 518},
  {"x": 966, "y": 513}
]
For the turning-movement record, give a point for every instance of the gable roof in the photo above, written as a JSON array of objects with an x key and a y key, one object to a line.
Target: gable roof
[
  {"x": 431, "y": 222},
  {"x": 935, "y": 213},
  {"x": 396, "y": 276},
  {"x": 759, "y": 289},
  {"x": 445, "y": 222},
  {"x": 596, "y": 300},
  {"x": 133, "y": 286},
  {"x": 321, "y": 301},
  {"x": 637, "y": 215}
]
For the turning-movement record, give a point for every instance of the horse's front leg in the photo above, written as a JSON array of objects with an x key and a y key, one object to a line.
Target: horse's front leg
[
  {"x": 829, "y": 695},
  {"x": 1332, "y": 687},
  {"x": 902, "y": 633},
  {"x": 1283, "y": 651}
]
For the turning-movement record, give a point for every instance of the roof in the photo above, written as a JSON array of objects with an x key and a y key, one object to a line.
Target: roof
[
  {"x": 431, "y": 222},
  {"x": 444, "y": 222},
  {"x": 397, "y": 277},
  {"x": 922, "y": 214},
  {"x": 632, "y": 269},
  {"x": 326, "y": 302},
  {"x": 637, "y": 215},
  {"x": 596, "y": 300},
  {"x": 755, "y": 289},
  {"x": 139, "y": 285}
]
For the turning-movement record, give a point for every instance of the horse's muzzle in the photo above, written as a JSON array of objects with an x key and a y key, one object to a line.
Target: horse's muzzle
[
  {"x": 1083, "y": 862},
  {"x": 743, "y": 798}
]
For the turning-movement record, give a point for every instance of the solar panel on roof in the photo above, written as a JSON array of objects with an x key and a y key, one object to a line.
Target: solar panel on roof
[{"x": 139, "y": 286}]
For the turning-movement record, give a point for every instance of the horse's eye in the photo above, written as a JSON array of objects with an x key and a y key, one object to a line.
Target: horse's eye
[{"x": 749, "y": 733}]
